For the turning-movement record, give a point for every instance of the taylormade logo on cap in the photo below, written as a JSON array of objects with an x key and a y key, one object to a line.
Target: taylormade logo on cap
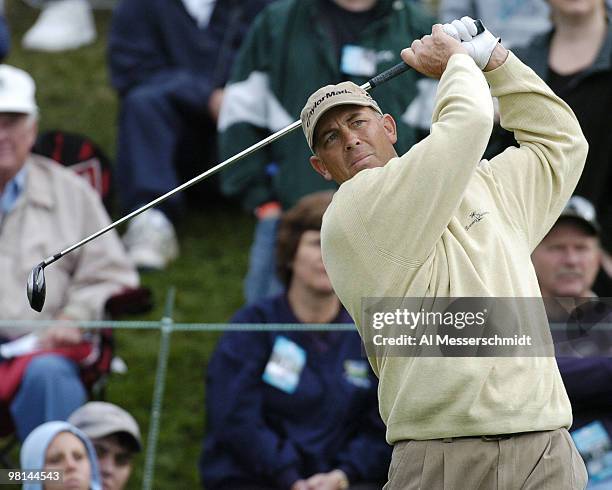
[
  {"x": 345, "y": 93},
  {"x": 319, "y": 101}
]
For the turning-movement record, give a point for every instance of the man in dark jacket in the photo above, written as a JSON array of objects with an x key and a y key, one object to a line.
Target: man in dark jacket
[
  {"x": 294, "y": 47},
  {"x": 566, "y": 263},
  {"x": 169, "y": 62}
]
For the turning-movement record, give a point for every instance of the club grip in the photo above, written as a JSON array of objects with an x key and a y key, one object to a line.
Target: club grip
[
  {"x": 480, "y": 28},
  {"x": 402, "y": 67},
  {"x": 388, "y": 74}
]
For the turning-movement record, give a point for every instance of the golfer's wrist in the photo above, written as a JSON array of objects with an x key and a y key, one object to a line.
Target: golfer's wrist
[{"x": 498, "y": 57}]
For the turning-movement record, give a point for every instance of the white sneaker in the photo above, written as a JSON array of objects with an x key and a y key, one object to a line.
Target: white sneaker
[
  {"x": 151, "y": 240},
  {"x": 62, "y": 25}
]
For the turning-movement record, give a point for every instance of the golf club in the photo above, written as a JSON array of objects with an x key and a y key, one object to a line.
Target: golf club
[{"x": 36, "y": 286}]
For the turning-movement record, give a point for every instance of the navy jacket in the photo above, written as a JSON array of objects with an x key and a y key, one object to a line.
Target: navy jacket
[
  {"x": 5, "y": 38},
  {"x": 583, "y": 351},
  {"x": 588, "y": 382},
  {"x": 158, "y": 40},
  {"x": 258, "y": 434}
]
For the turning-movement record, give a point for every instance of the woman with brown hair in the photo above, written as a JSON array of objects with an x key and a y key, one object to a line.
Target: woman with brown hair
[{"x": 294, "y": 409}]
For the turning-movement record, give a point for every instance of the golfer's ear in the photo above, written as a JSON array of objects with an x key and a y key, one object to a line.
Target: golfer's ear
[
  {"x": 320, "y": 167},
  {"x": 390, "y": 128}
]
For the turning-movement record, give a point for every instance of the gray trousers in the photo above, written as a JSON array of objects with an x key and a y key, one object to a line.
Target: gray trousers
[{"x": 545, "y": 460}]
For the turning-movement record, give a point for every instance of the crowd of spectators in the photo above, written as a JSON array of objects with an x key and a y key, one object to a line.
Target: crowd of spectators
[{"x": 197, "y": 82}]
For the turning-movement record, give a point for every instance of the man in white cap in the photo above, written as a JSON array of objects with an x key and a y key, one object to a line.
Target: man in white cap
[
  {"x": 116, "y": 437},
  {"x": 440, "y": 222},
  {"x": 44, "y": 207}
]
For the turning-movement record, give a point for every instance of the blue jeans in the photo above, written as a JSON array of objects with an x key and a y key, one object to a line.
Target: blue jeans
[
  {"x": 261, "y": 280},
  {"x": 164, "y": 139},
  {"x": 51, "y": 389}
]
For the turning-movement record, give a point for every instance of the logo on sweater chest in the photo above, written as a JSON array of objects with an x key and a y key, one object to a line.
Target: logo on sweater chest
[{"x": 474, "y": 217}]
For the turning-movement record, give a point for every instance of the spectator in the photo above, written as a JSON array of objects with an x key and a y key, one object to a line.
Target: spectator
[
  {"x": 294, "y": 47},
  {"x": 566, "y": 263},
  {"x": 61, "y": 446},
  {"x": 440, "y": 222},
  {"x": 575, "y": 59},
  {"x": 169, "y": 62},
  {"x": 312, "y": 423},
  {"x": 515, "y": 21},
  {"x": 44, "y": 207},
  {"x": 568, "y": 258},
  {"x": 115, "y": 436}
]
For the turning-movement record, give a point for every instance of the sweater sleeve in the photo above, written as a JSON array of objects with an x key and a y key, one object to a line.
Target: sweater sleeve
[
  {"x": 538, "y": 178},
  {"x": 234, "y": 398},
  {"x": 417, "y": 194}
]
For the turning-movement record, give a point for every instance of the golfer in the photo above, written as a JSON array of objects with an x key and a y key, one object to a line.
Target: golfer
[{"x": 440, "y": 222}]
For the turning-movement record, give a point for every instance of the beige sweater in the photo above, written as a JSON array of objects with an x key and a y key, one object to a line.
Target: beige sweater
[{"x": 400, "y": 231}]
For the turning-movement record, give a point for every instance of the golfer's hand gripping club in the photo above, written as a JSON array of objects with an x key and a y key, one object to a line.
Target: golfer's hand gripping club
[
  {"x": 474, "y": 37},
  {"x": 36, "y": 284},
  {"x": 478, "y": 28}
]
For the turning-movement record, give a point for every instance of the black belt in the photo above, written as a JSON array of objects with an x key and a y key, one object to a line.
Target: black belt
[{"x": 494, "y": 437}]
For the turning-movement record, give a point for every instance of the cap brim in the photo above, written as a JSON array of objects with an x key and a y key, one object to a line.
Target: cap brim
[
  {"x": 593, "y": 228},
  {"x": 97, "y": 433},
  {"x": 11, "y": 106}
]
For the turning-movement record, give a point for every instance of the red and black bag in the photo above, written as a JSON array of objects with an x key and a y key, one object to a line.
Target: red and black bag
[{"x": 83, "y": 156}]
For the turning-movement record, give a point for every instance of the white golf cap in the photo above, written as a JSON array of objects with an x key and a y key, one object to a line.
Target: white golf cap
[{"x": 17, "y": 89}]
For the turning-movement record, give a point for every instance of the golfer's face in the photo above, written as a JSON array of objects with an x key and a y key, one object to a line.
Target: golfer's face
[{"x": 349, "y": 139}]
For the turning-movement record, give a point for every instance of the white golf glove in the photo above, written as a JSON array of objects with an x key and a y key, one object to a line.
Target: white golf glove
[{"x": 479, "y": 46}]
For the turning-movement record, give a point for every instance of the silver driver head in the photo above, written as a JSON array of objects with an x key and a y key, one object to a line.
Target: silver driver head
[{"x": 36, "y": 287}]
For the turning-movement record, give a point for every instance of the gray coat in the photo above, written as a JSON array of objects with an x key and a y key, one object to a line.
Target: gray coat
[{"x": 55, "y": 210}]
